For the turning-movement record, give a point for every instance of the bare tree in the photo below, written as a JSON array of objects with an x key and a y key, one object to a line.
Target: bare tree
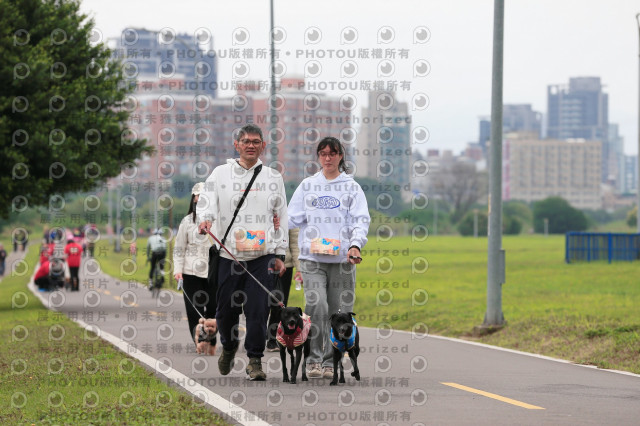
[{"x": 461, "y": 186}]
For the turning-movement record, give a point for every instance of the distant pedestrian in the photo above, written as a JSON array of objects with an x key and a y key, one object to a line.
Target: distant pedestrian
[
  {"x": 3, "y": 259},
  {"x": 41, "y": 278},
  {"x": 133, "y": 251},
  {"x": 73, "y": 253}
]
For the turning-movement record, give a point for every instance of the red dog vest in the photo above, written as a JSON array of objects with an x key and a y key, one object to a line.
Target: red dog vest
[{"x": 298, "y": 337}]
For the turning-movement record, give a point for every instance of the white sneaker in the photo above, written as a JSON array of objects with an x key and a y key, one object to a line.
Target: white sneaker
[
  {"x": 314, "y": 371},
  {"x": 327, "y": 372}
]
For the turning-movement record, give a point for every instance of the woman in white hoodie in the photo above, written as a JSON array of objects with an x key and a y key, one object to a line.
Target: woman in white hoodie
[
  {"x": 191, "y": 265},
  {"x": 332, "y": 213}
]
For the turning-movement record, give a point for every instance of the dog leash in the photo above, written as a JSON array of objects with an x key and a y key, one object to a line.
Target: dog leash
[
  {"x": 246, "y": 270},
  {"x": 203, "y": 336},
  {"x": 184, "y": 293}
]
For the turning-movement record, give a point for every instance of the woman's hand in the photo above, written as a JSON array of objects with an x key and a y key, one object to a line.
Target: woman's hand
[
  {"x": 353, "y": 256},
  {"x": 178, "y": 276}
]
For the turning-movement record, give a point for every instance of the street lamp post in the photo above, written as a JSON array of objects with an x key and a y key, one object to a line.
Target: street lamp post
[
  {"x": 638, "y": 157},
  {"x": 272, "y": 107},
  {"x": 118, "y": 222},
  {"x": 494, "y": 318}
]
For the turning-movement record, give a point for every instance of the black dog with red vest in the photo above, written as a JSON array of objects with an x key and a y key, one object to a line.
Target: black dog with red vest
[{"x": 292, "y": 335}]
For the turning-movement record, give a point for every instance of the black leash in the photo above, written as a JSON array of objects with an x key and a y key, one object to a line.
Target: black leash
[{"x": 203, "y": 336}]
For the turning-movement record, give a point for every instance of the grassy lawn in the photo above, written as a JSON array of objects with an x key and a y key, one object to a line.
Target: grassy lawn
[
  {"x": 53, "y": 372},
  {"x": 587, "y": 313}
]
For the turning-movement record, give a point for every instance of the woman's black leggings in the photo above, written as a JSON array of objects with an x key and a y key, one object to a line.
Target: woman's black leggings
[{"x": 202, "y": 296}]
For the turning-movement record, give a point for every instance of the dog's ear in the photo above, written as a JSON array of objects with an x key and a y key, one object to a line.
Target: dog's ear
[
  {"x": 300, "y": 311},
  {"x": 331, "y": 317}
]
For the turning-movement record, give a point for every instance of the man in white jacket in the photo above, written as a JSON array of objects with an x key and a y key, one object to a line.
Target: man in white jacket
[{"x": 252, "y": 239}]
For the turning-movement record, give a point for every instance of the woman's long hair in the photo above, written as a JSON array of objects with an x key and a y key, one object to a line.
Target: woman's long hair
[
  {"x": 192, "y": 207},
  {"x": 335, "y": 146}
]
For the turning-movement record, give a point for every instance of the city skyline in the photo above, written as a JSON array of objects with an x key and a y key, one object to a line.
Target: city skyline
[{"x": 546, "y": 43}]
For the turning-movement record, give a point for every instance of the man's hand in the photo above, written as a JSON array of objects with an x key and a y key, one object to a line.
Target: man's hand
[
  {"x": 276, "y": 221},
  {"x": 279, "y": 267},
  {"x": 178, "y": 276},
  {"x": 204, "y": 227},
  {"x": 353, "y": 256}
]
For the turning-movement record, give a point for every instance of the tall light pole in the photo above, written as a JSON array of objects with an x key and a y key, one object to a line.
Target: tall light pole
[
  {"x": 118, "y": 222},
  {"x": 495, "y": 266},
  {"x": 272, "y": 108},
  {"x": 638, "y": 157}
]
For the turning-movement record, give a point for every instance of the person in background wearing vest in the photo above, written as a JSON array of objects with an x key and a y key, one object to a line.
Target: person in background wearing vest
[
  {"x": 73, "y": 253},
  {"x": 156, "y": 252}
]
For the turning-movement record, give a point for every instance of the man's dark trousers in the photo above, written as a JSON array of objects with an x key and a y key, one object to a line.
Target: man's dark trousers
[{"x": 237, "y": 291}]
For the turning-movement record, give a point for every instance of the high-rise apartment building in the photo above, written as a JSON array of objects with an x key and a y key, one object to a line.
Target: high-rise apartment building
[
  {"x": 191, "y": 138},
  {"x": 535, "y": 169},
  {"x": 189, "y": 60},
  {"x": 630, "y": 175},
  {"x": 515, "y": 118},
  {"x": 580, "y": 110},
  {"x": 383, "y": 149},
  {"x": 616, "y": 158}
]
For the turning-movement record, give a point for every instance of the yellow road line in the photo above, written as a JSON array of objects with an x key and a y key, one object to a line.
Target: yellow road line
[{"x": 494, "y": 396}]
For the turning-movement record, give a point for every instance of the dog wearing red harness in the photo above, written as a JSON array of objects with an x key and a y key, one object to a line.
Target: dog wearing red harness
[{"x": 292, "y": 336}]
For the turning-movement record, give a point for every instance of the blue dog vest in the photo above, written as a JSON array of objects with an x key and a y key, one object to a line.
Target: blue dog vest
[{"x": 344, "y": 346}]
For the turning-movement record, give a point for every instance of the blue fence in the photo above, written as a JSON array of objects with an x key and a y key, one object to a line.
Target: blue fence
[{"x": 591, "y": 247}]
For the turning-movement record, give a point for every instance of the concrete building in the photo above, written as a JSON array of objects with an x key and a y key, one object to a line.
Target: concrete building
[
  {"x": 193, "y": 138},
  {"x": 616, "y": 159},
  {"x": 535, "y": 169},
  {"x": 187, "y": 59},
  {"x": 580, "y": 110},
  {"x": 630, "y": 175},
  {"x": 303, "y": 119},
  {"x": 383, "y": 150},
  {"x": 515, "y": 118}
]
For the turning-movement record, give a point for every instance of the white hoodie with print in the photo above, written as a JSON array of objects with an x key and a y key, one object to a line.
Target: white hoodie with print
[{"x": 332, "y": 216}]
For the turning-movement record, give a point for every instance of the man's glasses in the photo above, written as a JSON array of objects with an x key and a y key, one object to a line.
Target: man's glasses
[
  {"x": 328, "y": 154},
  {"x": 254, "y": 142}
]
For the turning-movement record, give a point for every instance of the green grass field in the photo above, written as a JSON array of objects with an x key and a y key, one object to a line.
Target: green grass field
[
  {"x": 588, "y": 313},
  {"x": 53, "y": 372}
]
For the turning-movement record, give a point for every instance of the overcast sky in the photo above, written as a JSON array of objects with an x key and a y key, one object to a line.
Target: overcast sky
[{"x": 546, "y": 42}]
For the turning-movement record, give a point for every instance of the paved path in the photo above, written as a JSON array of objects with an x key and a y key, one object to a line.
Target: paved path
[{"x": 407, "y": 379}]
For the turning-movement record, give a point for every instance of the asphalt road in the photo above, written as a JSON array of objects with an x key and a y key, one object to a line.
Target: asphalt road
[{"x": 407, "y": 378}]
